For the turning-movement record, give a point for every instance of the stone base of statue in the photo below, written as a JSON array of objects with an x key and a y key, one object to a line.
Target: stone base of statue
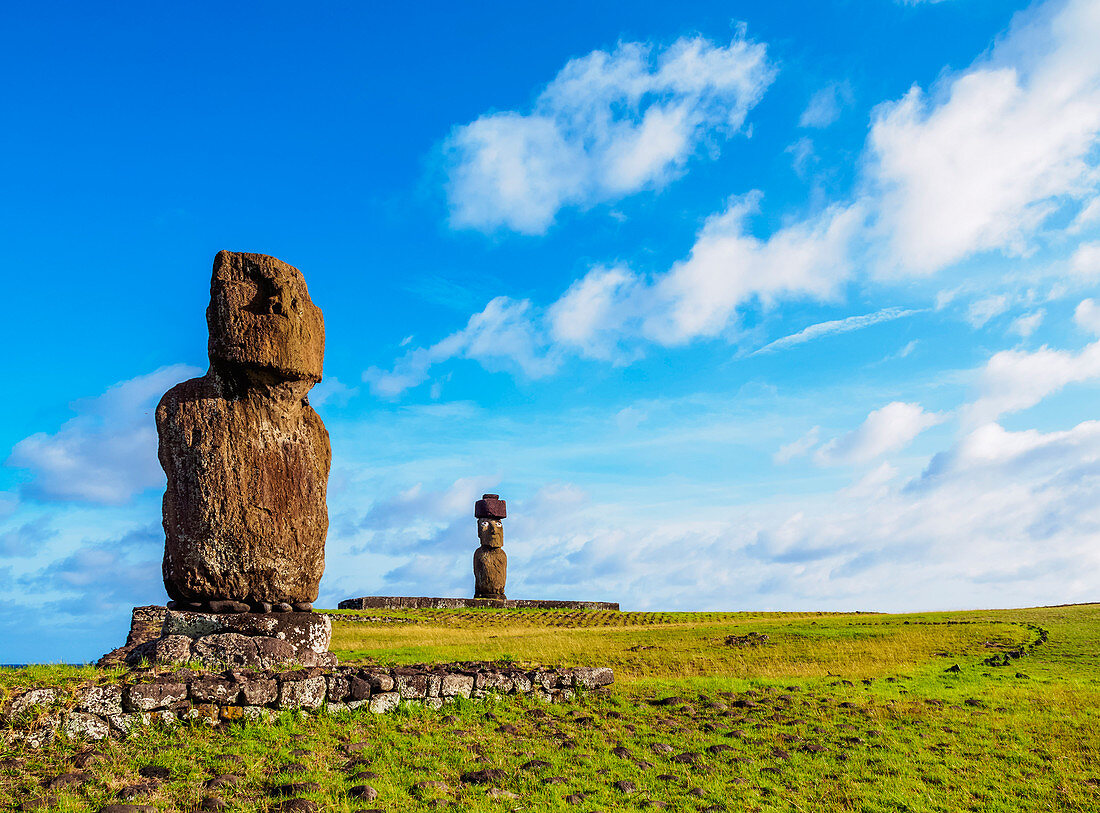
[{"x": 226, "y": 640}]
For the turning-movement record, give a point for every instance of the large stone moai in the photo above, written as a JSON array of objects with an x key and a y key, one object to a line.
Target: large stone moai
[
  {"x": 490, "y": 560},
  {"x": 247, "y": 458}
]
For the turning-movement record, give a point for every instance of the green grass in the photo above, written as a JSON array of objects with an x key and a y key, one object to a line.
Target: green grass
[{"x": 843, "y": 713}]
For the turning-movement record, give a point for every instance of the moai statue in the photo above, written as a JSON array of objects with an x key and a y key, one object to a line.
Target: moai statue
[
  {"x": 490, "y": 560},
  {"x": 246, "y": 456}
]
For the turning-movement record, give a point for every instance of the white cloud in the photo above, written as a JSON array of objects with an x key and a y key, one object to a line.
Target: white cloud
[
  {"x": 108, "y": 452},
  {"x": 608, "y": 125},
  {"x": 885, "y": 430},
  {"x": 982, "y": 310},
  {"x": 593, "y": 313},
  {"x": 846, "y": 325},
  {"x": 1088, "y": 216},
  {"x": 1085, "y": 261},
  {"x": 728, "y": 267},
  {"x": 982, "y": 164},
  {"x": 798, "y": 448},
  {"x": 697, "y": 297},
  {"x": 1014, "y": 380},
  {"x": 825, "y": 105},
  {"x": 502, "y": 335},
  {"x": 1027, "y": 323},
  {"x": 1087, "y": 316}
]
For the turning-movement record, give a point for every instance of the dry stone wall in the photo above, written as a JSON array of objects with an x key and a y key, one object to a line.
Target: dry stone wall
[{"x": 169, "y": 697}]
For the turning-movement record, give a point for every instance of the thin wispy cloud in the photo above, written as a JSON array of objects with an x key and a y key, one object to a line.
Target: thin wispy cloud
[{"x": 834, "y": 327}]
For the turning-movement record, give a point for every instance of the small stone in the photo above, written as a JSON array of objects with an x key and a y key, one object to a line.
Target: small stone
[
  {"x": 104, "y": 701},
  {"x": 261, "y": 607},
  {"x": 308, "y": 693},
  {"x": 225, "y": 780},
  {"x": 303, "y": 606},
  {"x": 661, "y": 748},
  {"x": 295, "y": 806},
  {"x": 73, "y": 779},
  {"x": 625, "y": 786},
  {"x": 574, "y": 798},
  {"x": 129, "y": 809},
  {"x": 484, "y": 776},
  {"x": 383, "y": 702},
  {"x": 295, "y": 788},
  {"x": 80, "y": 725},
  {"x": 281, "y": 607},
  {"x": 554, "y": 780},
  {"x": 535, "y": 765},
  {"x": 499, "y": 793},
  {"x": 35, "y": 697},
  {"x": 212, "y": 804},
  {"x": 363, "y": 792},
  {"x": 151, "y": 696},
  {"x": 295, "y": 767},
  {"x": 155, "y": 772},
  {"x": 224, "y": 606},
  {"x": 135, "y": 791}
]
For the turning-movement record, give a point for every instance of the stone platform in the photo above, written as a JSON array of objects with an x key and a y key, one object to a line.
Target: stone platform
[
  {"x": 217, "y": 640},
  {"x": 168, "y": 696},
  {"x": 425, "y": 603}
]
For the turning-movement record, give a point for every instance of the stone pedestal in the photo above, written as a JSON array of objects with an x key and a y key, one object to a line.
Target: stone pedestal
[{"x": 256, "y": 640}]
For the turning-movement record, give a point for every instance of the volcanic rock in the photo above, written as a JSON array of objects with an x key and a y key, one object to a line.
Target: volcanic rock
[{"x": 247, "y": 458}]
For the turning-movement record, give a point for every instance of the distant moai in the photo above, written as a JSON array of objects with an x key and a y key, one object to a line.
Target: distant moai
[
  {"x": 490, "y": 560},
  {"x": 247, "y": 458}
]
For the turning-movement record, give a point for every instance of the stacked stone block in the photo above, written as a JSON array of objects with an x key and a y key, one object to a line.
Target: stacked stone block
[{"x": 214, "y": 698}]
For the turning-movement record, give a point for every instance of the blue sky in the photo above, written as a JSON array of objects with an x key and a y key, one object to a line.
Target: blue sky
[{"x": 739, "y": 305}]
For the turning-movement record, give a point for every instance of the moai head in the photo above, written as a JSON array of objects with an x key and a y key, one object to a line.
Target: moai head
[
  {"x": 262, "y": 320},
  {"x": 491, "y": 533},
  {"x": 490, "y": 510}
]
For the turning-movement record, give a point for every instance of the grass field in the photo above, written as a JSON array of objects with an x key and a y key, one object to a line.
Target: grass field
[{"x": 833, "y": 712}]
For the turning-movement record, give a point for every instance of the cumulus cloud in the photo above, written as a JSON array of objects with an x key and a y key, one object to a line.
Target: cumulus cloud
[
  {"x": 983, "y": 162},
  {"x": 608, "y": 125},
  {"x": 1085, "y": 261},
  {"x": 728, "y": 266},
  {"x": 1014, "y": 380},
  {"x": 885, "y": 430},
  {"x": 108, "y": 452},
  {"x": 609, "y": 309}
]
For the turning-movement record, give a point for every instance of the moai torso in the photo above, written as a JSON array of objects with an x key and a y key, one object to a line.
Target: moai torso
[
  {"x": 247, "y": 458},
  {"x": 490, "y": 560}
]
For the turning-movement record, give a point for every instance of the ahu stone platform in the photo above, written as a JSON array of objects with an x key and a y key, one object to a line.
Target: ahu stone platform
[
  {"x": 245, "y": 640},
  {"x": 425, "y": 603},
  {"x": 142, "y": 697}
]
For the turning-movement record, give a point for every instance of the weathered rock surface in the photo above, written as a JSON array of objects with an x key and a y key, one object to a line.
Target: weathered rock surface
[
  {"x": 246, "y": 457},
  {"x": 252, "y": 640},
  {"x": 490, "y": 572},
  {"x": 490, "y": 560}
]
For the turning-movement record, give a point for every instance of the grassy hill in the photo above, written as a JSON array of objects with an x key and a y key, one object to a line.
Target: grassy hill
[{"x": 709, "y": 711}]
